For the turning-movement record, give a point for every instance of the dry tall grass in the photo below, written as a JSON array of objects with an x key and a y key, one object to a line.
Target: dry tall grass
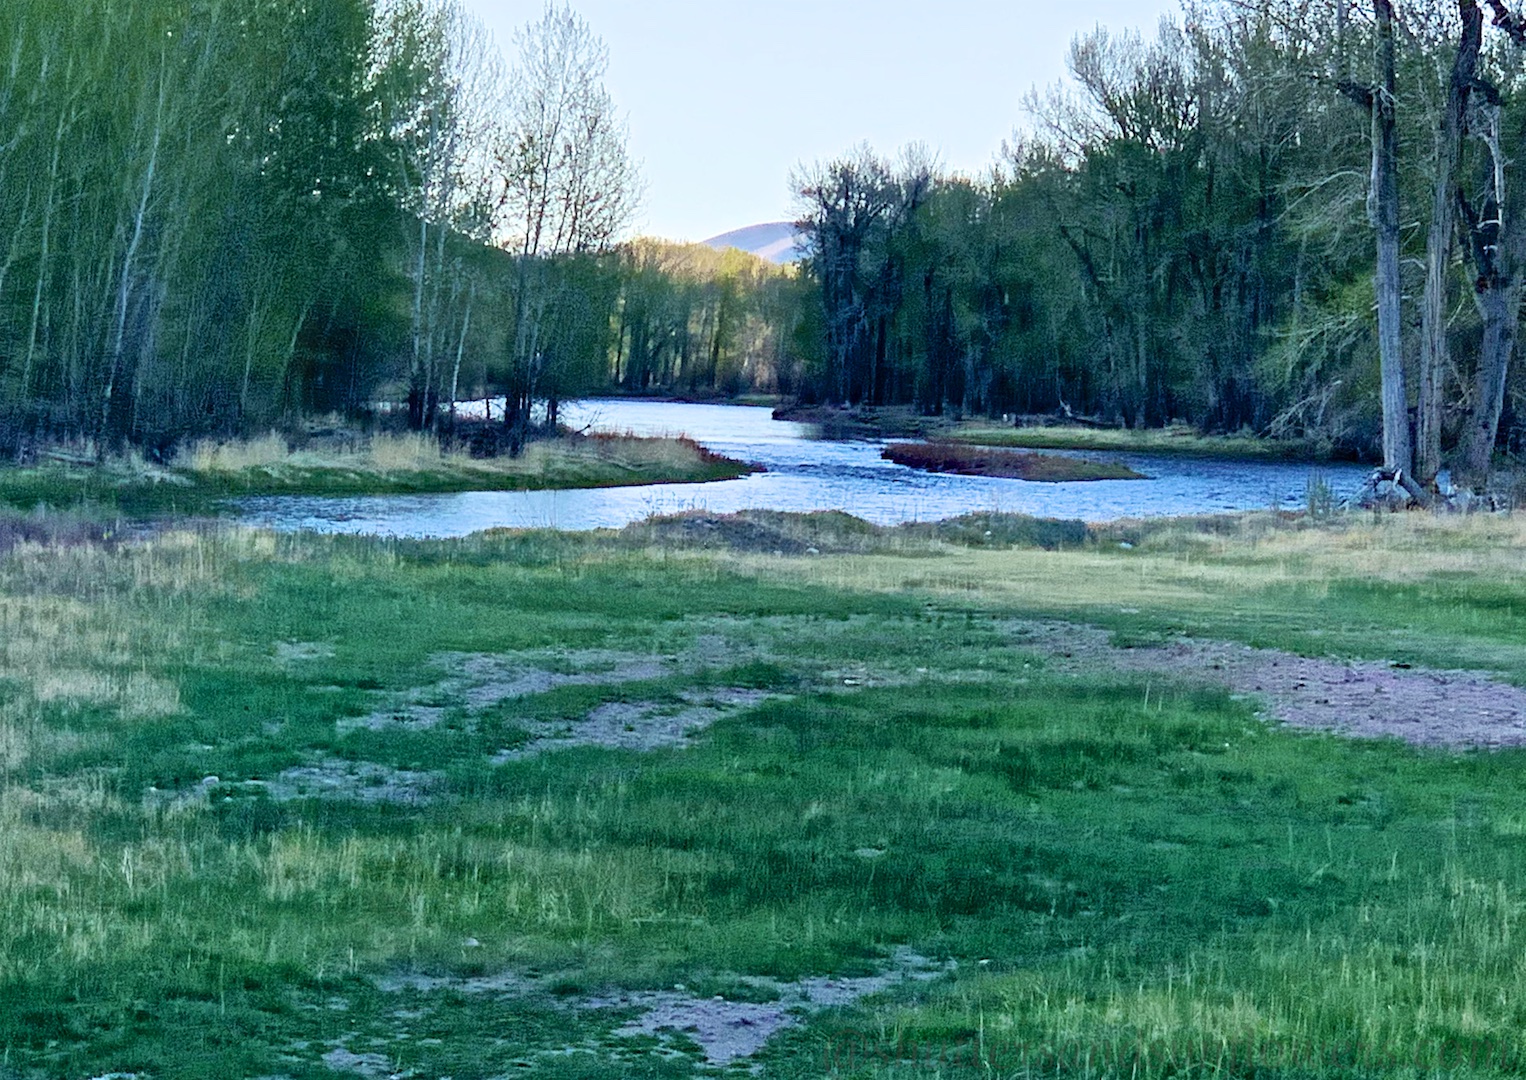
[
  {"x": 379, "y": 453},
  {"x": 596, "y": 457}
]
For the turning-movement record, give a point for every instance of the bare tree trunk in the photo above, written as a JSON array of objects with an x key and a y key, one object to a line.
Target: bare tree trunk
[
  {"x": 455, "y": 374},
  {"x": 415, "y": 374},
  {"x": 1500, "y": 308},
  {"x": 124, "y": 286},
  {"x": 42, "y": 260},
  {"x": 1384, "y": 210},
  {"x": 291, "y": 354},
  {"x": 1438, "y": 252}
]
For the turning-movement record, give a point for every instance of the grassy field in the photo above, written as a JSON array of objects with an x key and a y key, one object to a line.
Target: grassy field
[
  {"x": 274, "y": 807},
  {"x": 204, "y": 476}
]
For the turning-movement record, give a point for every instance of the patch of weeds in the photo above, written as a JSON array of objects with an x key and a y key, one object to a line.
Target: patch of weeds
[{"x": 732, "y": 988}]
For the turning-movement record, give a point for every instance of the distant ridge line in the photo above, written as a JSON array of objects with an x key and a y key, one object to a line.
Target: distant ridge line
[{"x": 776, "y": 241}]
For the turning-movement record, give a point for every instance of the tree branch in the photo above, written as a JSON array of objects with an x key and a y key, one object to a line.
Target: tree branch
[
  {"x": 1360, "y": 93},
  {"x": 1508, "y": 21}
]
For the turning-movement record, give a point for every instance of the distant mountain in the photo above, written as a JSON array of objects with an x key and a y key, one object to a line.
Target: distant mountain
[{"x": 778, "y": 241}]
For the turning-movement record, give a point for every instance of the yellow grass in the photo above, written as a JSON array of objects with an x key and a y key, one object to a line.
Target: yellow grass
[
  {"x": 393, "y": 455},
  {"x": 379, "y": 453},
  {"x": 1178, "y": 563}
]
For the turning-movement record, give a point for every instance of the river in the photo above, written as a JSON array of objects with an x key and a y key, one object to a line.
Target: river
[{"x": 803, "y": 474}]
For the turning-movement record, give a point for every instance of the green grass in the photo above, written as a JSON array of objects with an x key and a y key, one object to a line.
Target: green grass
[
  {"x": 1171, "y": 440},
  {"x": 1133, "y": 880}
]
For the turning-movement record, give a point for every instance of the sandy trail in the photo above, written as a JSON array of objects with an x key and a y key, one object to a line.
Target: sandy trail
[{"x": 1453, "y": 710}]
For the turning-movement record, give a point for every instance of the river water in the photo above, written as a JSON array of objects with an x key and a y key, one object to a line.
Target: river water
[{"x": 804, "y": 474}]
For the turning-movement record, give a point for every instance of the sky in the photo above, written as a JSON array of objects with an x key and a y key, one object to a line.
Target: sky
[{"x": 726, "y": 97}]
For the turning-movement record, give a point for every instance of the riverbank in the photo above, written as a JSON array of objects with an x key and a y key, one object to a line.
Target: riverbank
[
  {"x": 963, "y": 460},
  {"x": 202, "y": 479},
  {"x": 1043, "y": 433},
  {"x": 292, "y": 805},
  {"x": 1176, "y": 440}
]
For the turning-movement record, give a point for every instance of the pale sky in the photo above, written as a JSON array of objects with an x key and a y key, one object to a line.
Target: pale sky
[{"x": 725, "y": 97}]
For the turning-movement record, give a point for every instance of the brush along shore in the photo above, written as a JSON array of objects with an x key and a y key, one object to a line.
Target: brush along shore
[
  {"x": 1051, "y": 433},
  {"x": 948, "y": 457},
  {"x": 1175, "y": 440},
  {"x": 204, "y": 476},
  {"x": 990, "y": 799}
]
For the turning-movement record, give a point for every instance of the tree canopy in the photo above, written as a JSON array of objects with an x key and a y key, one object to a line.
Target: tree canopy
[
  {"x": 1293, "y": 217},
  {"x": 1184, "y": 233}
]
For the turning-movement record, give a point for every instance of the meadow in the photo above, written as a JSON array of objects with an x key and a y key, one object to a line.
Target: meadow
[
  {"x": 203, "y": 476},
  {"x": 303, "y": 807}
]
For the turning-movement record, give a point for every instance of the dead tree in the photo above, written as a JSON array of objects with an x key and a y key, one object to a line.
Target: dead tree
[
  {"x": 1438, "y": 251},
  {"x": 1380, "y": 100},
  {"x": 1496, "y": 233}
]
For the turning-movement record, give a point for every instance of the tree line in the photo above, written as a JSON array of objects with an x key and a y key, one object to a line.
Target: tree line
[
  {"x": 1297, "y": 217},
  {"x": 1294, "y": 217},
  {"x": 217, "y": 215}
]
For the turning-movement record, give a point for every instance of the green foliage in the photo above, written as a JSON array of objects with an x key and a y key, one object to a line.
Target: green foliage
[
  {"x": 692, "y": 320},
  {"x": 1181, "y": 238},
  {"x": 186, "y": 208},
  {"x": 219, "y": 217}
]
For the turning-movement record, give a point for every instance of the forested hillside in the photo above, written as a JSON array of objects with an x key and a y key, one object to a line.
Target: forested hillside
[{"x": 1188, "y": 231}]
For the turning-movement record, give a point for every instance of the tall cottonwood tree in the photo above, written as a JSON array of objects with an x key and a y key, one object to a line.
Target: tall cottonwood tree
[
  {"x": 192, "y": 188},
  {"x": 854, "y": 212},
  {"x": 1380, "y": 99},
  {"x": 568, "y": 186},
  {"x": 436, "y": 70},
  {"x": 1435, "y": 353}
]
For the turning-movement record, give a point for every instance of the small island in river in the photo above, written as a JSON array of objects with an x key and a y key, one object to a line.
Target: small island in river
[{"x": 946, "y": 457}]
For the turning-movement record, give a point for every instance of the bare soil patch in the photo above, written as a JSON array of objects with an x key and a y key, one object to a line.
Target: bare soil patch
[
  {"x": 730, "y": 1031},
  {"x": 480, "y": 681},
  {"x": 641, "y": 725},
  {"x": 354, "y": 781},
  {"x": 293, "y": 653},
  {"x": 727, "y": 1031},
  {"x": 372, "y": 1066},
  {"x": 476, "y": 682},
  {"x": 1454, "y": 710}
]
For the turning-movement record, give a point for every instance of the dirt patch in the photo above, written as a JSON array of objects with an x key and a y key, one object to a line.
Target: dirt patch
[
  {"x": 727, "y": 1031},
  {"x": 480, "y": 681},
  {"x": 292, "y": 653},
  {"x": 484, "y": 680},
  {"x": 354, "y": 781},
  {"x": 731, "y": 1031},
  {"x": 1363, "y": 699},
  {"x": 369, "y": 1065},
  {"x": 642, "y": 725}
]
